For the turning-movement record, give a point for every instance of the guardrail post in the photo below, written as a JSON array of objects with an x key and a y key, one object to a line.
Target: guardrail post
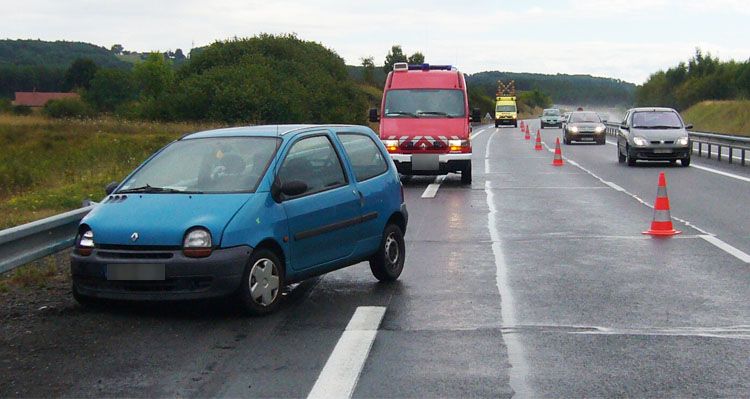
[{"x": 730, "y": 154}]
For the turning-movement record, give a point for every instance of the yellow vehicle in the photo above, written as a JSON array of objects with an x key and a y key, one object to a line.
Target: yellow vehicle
[{"x": 506, "y": 112}]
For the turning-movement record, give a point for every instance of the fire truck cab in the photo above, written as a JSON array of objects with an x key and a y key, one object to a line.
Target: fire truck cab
[{"x": 425, "y": 122}]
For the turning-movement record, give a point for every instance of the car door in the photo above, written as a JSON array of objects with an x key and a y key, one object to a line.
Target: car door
[
  {"x": 377, "y": 190},
  {"x": 323, "y": 220},
  {"x": 622, "y": 136}
]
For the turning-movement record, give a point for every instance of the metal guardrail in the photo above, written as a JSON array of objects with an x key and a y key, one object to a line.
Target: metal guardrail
[
  {"x": 730, "y": 142},
  {"x": 22, "y": 244}
]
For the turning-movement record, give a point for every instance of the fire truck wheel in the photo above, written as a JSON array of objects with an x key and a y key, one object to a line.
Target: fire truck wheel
[{"x": 466, "y": 174}]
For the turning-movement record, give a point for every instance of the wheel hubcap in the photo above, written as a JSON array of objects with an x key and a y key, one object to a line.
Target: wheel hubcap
[
  {"x": 264, "y": 282},
  {"x": 391, "y": 251}
]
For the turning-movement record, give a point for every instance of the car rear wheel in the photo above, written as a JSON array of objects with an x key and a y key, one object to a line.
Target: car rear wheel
[
  {"x": 388, "y": 263},
  {"x": 466, "y": 174},
  {"x": 262, "y": 281}
]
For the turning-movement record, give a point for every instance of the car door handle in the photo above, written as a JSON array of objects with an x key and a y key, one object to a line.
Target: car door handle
[{"x": 361, "y": 199}]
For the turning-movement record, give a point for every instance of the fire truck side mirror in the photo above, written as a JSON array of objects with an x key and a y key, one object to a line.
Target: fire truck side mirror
[
  {"x": 476, "y": 115},
  {"x": 374, "y": 115}
]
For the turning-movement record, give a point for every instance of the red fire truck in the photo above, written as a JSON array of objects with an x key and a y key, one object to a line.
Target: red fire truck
[{"x": 425, "y": 122}]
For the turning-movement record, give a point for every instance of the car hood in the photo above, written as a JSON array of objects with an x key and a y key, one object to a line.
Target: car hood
[
  {"x": 585, "y": 125},
  {"x": 161, "y": 219},
  {"x": 446, "y": 127},
  {"x": 659, "y": 134}
]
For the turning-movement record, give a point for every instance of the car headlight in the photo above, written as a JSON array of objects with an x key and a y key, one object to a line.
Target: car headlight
[
  {"x": 600, "y": 128},
  {"x": 85, "y": 244},
  {"x": 683, "y": 141},
  {"x": 574, "y": 129},
  {"x": 640, "y": 141},
  {"x": 197, "y": 243}
]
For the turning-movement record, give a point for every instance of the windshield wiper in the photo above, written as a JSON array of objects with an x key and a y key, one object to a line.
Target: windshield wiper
[
  {"x": 656, "y": 127},
  {"x": 435, "y": 113},
  {"x": 400, "y": 113},
  {"x": 148, "y": 189}
]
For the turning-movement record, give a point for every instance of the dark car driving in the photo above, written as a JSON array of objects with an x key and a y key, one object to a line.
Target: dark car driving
[{"x": 583, "y": 126}]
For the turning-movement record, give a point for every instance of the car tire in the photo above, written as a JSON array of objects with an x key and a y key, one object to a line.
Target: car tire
[
  {"x": 496, "y": 125},
  {"x": 466, "y": 174},
  {"x": 515, "y": 124},
  {"x": 601, "y": 142},
  {"x": 620, "y": 156},
  {"x": 566, "y": 140},
  {"x": 388, "y": 263},
  {"x": 685, "y": 162},
  {"x": 629, "y": 157},
  {"x": 542, "y": 125},
  {"x": 262, "y": 283}
]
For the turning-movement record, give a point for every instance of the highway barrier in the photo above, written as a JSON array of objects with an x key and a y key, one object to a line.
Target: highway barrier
[
  {"x": 22, "y": 244},
  {"x": 712, "y": 141}
]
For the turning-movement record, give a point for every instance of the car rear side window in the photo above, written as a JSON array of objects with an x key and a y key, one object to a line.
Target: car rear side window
[
  {"x": 367, "y": 160},
  {"x": 313, "y": 161}
]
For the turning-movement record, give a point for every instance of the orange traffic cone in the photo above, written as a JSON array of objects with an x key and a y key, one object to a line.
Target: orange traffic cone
[
  {"x": 528, "y": 137},
  {"x": 557, "y": 161},
  {"x": 522, "y": 126},
  {"x": 662, "y": 223},
  {"x": 538, "y": 145}
]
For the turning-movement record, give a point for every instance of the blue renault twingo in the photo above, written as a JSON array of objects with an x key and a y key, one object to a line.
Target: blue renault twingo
[{"x": 244, "y": 211}]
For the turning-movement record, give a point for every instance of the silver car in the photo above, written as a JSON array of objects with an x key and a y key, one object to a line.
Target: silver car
[
  {"x": 654, "y": 134},
  {"x": 551, "y": 117}
]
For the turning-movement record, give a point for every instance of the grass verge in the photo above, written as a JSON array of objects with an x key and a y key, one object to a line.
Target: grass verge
[{"x": 728, "y": 117}]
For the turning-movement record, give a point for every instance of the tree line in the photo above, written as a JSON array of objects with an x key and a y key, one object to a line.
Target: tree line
[{"x": 703, "y": 77}]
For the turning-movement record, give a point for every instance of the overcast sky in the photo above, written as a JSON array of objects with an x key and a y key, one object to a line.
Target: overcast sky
[{"x": 622, "y": 39}]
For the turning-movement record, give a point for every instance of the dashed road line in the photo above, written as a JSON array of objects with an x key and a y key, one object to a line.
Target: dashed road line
[
  {"x": 344, "y": 366},
  {"x": 432, "y": 189},
  {"x": 727, "y": 248}
]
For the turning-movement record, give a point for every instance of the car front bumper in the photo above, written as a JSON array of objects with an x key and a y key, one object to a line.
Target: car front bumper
[
  {"x": 585, "y": 136},
  {"x": 660, "y": 153},
  {"x": 447, "y": 163},
  {"x": 217, "y": 275}
]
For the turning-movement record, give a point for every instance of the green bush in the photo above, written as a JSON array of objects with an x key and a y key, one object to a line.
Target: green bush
[
  {"x": 21, "y": 110},
  {"x": 6, "y": 106},
  {"x": 68, "y": 108}
]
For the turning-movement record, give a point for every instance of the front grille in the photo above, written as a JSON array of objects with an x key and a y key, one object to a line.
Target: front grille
[
  {"x": 662, "y": 142},
  {"x": 134, "y": 255},
  {"x": 183, "y": 284}
]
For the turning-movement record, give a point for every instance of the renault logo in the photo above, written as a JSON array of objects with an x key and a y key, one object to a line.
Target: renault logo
[
  {"x": 134, "y": 237},
  {"x": 424, "y": 146}
]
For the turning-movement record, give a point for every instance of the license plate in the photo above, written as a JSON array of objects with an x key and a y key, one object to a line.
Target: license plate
[
  {"x": 587, "y": 139},
  {"x": 663, "y": 151},
  {"x": 135, "y": 271},
  {"x": 425, "y": 162}
]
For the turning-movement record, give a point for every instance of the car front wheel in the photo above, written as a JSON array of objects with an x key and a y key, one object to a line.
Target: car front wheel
[
  {"x": 262, "y": 282},
  {"x": 388, "y": 263},
  {"x": 685, "y": 162},
  {"x": 629, "y": 157},
  {"x": 620, "y": 156}
]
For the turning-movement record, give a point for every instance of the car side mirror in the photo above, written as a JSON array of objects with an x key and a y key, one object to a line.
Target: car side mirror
[
  {"x": 288, "y": 188},
  {"x": 689, "y": 126},
  {"x": 374, "y": 115},
  {"x": 476, "y": 115},
  {"x": 110, "y": 188},
  {"x": 623, "y": 126}
]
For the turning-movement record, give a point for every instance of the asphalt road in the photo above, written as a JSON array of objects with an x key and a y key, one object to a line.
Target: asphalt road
[{"x": 535, "y": 281}]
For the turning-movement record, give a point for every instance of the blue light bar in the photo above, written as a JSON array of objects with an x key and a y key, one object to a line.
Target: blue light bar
[{"x": 428, "y": 67}]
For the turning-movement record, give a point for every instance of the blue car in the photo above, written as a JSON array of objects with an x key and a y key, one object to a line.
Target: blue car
[{"x": 244, "y": 211}]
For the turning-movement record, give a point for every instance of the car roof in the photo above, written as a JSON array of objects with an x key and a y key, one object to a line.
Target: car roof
[
  {"x": 652, "y": 109},
  {"x": 269, "y": 131}
]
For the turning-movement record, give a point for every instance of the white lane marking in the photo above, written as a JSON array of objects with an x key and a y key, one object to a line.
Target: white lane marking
[
  {"x": 741, "y": 332},
  {"x": 519, "y": 369},
  {"x": 727, "y": 248},
  {"x": 342, "y": 370},
  {"x": 718, "y": 172},
  {"x": 432, "y": 189},
  {"x": 477, "y": 133},
  {"x": 487, "y": 153}
]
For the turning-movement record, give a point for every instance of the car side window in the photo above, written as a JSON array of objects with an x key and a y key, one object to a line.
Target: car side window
[
  {"x": 313, "y": 161},
  {"x": 365, "y": 156}
]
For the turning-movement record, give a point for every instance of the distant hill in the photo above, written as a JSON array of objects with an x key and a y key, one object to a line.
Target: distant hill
[
  {"x": 59, "y": 54},
  {"x": 356, "y": 72},
  {"x": 564, "y": 89}
]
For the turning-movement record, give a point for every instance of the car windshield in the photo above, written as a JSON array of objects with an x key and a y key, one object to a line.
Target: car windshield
[
  {"x": 656, "y": 120},
  {"x": 417, "y": 103},
  {"x": 551, "y": 112},
  {"x": 506, "y": 108},
  {"x": 584, "y": 117},
  {"x": 206, "y": 165}
]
